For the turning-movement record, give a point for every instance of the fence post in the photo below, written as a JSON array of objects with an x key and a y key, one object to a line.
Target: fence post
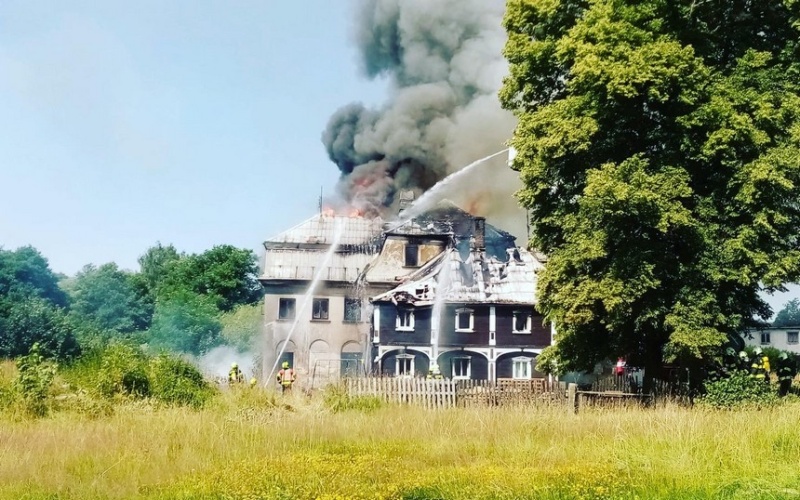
[{"x": 572, "y": 398}]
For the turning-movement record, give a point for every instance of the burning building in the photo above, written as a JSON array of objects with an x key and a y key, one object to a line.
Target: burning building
[{"x": 349, "y": 296}]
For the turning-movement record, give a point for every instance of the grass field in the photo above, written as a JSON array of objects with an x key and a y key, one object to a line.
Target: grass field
[{"x": 244, "y": 445}]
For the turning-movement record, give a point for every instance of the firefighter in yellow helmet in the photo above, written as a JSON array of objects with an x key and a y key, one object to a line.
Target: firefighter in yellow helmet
[
  {"x": 235, "y": 376},
  {"x": 286, "y": 377}
]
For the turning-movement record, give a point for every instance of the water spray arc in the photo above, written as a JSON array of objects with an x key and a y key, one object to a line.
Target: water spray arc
[
  {"x": 433, "y": 195},
  {"x": 323, "y": 265}
]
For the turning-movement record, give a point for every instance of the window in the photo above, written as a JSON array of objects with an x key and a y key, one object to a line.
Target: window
[
  {"x": 791, "y": 337},
  {"x": 412, "y": 255},
  {"x": 465, "y": 320},
  {"x": 286, "y": 308},
  {"x": 522, "y": 368},
  {"x": 352, "y": 310},
  {"x": 319, "y": 309},
  {"x": 405, "y": 320},
  {"x": 522, "y": 322},
  {"x": 404, "y": 366},
  {"x": 461, "y": 368},
  {"x": 765, "y": 338},
  {"x": 351, "y": 364}
]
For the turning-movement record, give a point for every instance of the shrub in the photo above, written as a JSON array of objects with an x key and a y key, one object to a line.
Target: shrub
[
  {"x": 740, "y": 389},
  {"x": 34, "y": 381},
  {"x": 122, "y": 371},
  {"x": 337, "y": 400},
  {"x": 178, "y": 382}
]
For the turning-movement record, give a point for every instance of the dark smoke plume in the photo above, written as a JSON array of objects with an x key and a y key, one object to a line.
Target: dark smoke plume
[{"x": 443, "y": 60}]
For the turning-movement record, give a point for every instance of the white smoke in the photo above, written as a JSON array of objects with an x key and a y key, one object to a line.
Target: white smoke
[{"x": 217, "y": 362}]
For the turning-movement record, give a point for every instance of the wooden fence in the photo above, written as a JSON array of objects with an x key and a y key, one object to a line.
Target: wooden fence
[
  {"x": 435, "y": 394},
  {"x": 450, "y": 393}
]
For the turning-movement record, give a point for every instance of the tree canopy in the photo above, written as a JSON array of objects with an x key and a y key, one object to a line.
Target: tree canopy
[
  {"x": 658, "y": 143},
  {"x": 789, "y": 315}
]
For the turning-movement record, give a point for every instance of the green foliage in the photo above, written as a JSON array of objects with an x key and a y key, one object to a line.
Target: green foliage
[
  {"x": 185, "y": 322},
  {"x": 34, "y": 381},
  {"x": 740, "y": 389},
  {"x": 225, "y": 274},
  {"x": 789, "y": 315},
  {"x": 178, "y": 382},
  {"x": 122, "y": 369},
  {"x": 36, "y": 321},
  {"x": 155, "y": 265},
  {"x": 337, "y": 399},
  {"x": 24, "y": 273},
  {"x": 658, "y": 144},
  {"x": 241, "y": 327},
  {"x": 108, "y": 298}
]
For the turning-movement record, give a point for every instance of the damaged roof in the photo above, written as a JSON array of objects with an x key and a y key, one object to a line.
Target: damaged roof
[
  {"x": 476, "y": 279},
  {"x": 322, "y": 228}
]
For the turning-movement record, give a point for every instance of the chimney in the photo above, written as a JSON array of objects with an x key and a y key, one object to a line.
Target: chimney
[{"x": 479, "y": 234}]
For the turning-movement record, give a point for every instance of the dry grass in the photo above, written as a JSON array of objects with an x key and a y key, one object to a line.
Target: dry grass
[{"x": 247, "y": 445}]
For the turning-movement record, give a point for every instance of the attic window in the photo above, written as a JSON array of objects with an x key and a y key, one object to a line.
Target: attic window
[
  {"x": 412, "y": 255},
  {"x": 522, "y": 322},
  {"x": 465, "y": 320}
]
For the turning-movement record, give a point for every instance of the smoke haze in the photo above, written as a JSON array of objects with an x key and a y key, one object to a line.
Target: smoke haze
[{"x": 444, "y": 63}]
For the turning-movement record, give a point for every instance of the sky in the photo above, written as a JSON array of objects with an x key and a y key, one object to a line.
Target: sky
[{"x": 192, "y": 123}]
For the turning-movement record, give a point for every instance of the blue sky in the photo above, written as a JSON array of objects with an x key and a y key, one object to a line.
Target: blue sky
[{"x": 192, "y": 123}]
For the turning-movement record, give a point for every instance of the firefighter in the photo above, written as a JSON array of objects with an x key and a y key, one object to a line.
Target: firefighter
[
  {"x": 235, "y": 376},
  {"x": 786, "y": 372},
  {"x": 286, "y": 377},
  {"x": 434, "y": 373},
  {"x": 253, "y": 382},
  {"x": 759, "y": 369}
]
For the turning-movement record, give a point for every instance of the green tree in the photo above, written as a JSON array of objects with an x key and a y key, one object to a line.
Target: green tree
[
  {"x": 108, "y": 298},
  {"x": 24, "y": 273},
  {"x": 225, "y": 274},
  {"x": 658, "y": 145},
  {"x": 185, "y": 322},
  {"x": 155, "y": 265},
  {"x": 36, "y": 321},
  {"x": 241, "y": 326},
  {"x": 789, "y": 315}
]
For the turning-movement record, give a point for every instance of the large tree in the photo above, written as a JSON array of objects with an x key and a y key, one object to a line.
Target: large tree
[
  {"x": 659, "y": 146},
  {"x": 789, "y": 315}
]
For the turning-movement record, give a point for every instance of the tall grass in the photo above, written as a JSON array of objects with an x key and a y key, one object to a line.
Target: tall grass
[{"x": 251, "y": 444}]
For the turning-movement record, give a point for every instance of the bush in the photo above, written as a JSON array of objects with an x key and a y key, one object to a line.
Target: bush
[
  {"x": 740, "y": 389},
  {"x": 122, "y": 371},
  {"x": 337, "y": 400},
  {"x": 178, "y": 382},
  {"x": 34, "y": 381}
]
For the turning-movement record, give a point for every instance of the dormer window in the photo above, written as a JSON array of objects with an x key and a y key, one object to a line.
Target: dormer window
[
  {"x": 412, "y": 255},
  {"x": 405, "y": 320},
  {"x": 522, "y": 322},
  {"x": 465, "y": 320}
]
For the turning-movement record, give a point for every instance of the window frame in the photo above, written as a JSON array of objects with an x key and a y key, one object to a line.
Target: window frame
[
  {"x": 528, "y": 323},
  {"x": 795, "y": 334},
  {"x": 408, "y": 362},
  {"x": 406, "y": 254},
  {"x": 454, "y": 362},
  {"x": 320, "y": 301},
  {"x": 459, "y": 312},
  {"x": 287, "y": 300},
  {"x": 766, "y": 338},
  {"x": 351, "y": 301},
  {"x": 521, "y": 361},
  {"x": 398, "y": 324}
]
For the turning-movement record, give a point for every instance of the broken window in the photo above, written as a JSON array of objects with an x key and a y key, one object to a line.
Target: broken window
[
  {"x": 465, "y": 320},
  {"x": 412, "y": 255},
  {"x": 352, "y": 310},
  {"x": 522, "y": 322},
  {"x": 462, "y": 367},
  {"x": 405, "y": 320},
  {"x": 286, "y": 308},
  {"x": 319, "y": 309}
]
